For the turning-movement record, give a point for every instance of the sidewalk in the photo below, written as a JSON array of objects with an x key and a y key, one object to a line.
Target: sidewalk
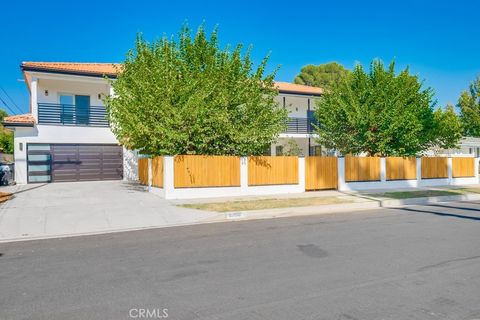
[{"x": 82, "y": 208}]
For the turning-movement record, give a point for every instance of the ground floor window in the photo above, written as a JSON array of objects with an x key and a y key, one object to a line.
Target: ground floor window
[
  {"x": 315, "y": 151},
  {"x": 279, "y": 150}
]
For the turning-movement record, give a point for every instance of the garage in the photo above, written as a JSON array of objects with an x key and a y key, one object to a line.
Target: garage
[{"x": 74, "y": 162}]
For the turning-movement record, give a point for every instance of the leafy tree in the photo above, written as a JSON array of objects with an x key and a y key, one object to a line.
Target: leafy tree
[
  {"x": 449, "y": 128},
  {"x": 469, "y": 106},
  {"x": 6, "y": 136},
  {"x": 3, "y": 114},
  {"x": 380, "y": 113},
  {"x": 188, "y": 96},
  {"x": 323, "y": 76},
  {"x": 291, "y": 148}
]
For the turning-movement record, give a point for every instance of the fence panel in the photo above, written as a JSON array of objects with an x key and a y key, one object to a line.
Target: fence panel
[
  {"x": 143, "y": 171},
  {"x": 463, "y": 167},
  {"x": 272, "y": 170},
  {"x": 194, "y": 171},
  {"x": 434, "y": 167},
  {"x": 321, "y": 173},
  {"x": 157, "y": 172},
  {"x": 362, "y": 169},
  {"x": 399, "y": 168}
]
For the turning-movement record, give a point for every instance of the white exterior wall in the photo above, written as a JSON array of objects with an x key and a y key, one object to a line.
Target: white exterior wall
[
  {"x": 297, "y": 105},
  {"x": 130, "y": 165},
  {"x": 57, "y": 87}
]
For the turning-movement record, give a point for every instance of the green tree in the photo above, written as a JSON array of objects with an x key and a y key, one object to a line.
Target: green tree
[
  {"x": 6, "y": 136},
  {"x": 469, "y": 107},
  {"x": 449, "y": 128},
  {"x": 378, "y": 112},
  {"x": 323, "y": 75},
  {"x": 188, "y": 96},
  {"x": 291, "y": 148}
]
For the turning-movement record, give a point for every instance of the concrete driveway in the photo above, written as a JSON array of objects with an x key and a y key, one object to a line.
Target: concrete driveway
[{"x": 62, "y": 209}]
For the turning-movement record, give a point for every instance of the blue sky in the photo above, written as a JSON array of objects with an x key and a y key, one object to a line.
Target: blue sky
[{"x": 439, "y": 41}]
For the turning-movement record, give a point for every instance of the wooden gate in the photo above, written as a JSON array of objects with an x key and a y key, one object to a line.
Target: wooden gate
[{"x": 321, "y": 173}]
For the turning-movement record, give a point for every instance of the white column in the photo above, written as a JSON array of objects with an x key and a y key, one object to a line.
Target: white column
[
  {"x": 476, "y": 169},
  {"x": 168, "y": 182},
  {"x": 341, "y": 174},
  {"x": 301, "y": 173},
  {"x": 450, "y": 171},
  {"x": 244, "y": 174},
  {"x": 383, "y": 169},
  {"x": 419, "y": 171},
  {"x": 33, "y": 98},
  {"x": 150, "y": 175}
]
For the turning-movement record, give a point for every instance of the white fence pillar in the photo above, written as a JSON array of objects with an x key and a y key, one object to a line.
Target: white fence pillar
[
  {"x": 244, "y": 173},
  {"x": 475, "y": 164},
  {"x": 450, "y": 171},
  {"x": 168, "y": 179},
  {"x": 301, "y": 173},
  {"x": 383, "y": 169},
  {"x": 150, "y": 174},
  {"x": 419, "y": 171},
  {"x": 341, "y": 174}
]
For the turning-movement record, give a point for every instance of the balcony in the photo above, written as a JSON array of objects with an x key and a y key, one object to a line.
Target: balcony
[
  {"x": 300, "y": 125},
  {"x": 72, "y": 115}
]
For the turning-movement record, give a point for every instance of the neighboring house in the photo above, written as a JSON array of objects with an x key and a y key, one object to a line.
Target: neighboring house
[
  {"x": 467, "y": 145},
  {"x": 66, "y": 136}
]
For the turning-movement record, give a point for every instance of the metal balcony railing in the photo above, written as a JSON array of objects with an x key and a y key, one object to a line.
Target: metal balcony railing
[
  {"x": 72, "y": 115},
  {"x": 300, "y": 125}
]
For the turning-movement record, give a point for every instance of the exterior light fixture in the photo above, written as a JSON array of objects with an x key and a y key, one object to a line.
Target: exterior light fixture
[{"x": 46, "y": 93}]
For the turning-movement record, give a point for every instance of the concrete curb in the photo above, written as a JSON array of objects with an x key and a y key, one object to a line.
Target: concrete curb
[
  {"x": 345, "y": 207},
  {"x": 392, "y": 203}
]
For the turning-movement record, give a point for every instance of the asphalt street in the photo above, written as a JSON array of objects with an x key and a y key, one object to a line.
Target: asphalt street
[{"x": 419, "y": 262}]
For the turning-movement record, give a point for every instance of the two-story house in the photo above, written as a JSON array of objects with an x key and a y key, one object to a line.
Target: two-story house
[{"x": 66, "y": 136}]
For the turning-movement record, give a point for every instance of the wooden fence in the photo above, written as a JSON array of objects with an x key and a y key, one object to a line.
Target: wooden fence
[
  {"x": 463, "y": 167},
  {"x": 362, "y": 169},
  {"x": 143, "y": 171},
  {"x": 399, "y": 168},
  {"x": 157, "y": 172},
  {"x": 194, "y": 171},
  {"x": 272, "y": 170},
  {"x": 321, "y": 173},
  {"x": 434, "y": 167}
]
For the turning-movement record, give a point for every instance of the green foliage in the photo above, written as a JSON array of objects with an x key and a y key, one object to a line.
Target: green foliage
[
  {"x": 3, "y": 114},
  {"x": 291, "y": 148},
  {"x": 323, "y": 76},
  {"x": 469, "y": 107},
  {"x": 6, "y": 136},
  {"x": 6, "y": 140},
  {"x": 380, "y": 113},
  {"x": 188, "y": 96},
  {"x": 449, "y": 128}
]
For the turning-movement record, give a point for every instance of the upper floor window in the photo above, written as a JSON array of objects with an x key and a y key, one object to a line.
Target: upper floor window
[{"x": 76, "y": 108}]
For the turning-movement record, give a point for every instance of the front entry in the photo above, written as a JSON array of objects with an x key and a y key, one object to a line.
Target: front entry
[
  {"x": 321, "y": 173},
  {"x": 74, "y": 162}
]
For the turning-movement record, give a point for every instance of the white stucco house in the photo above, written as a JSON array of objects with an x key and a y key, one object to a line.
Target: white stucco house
[{"x": 66, "y": 137}]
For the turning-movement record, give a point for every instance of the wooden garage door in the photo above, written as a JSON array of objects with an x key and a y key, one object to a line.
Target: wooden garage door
[{"x": 86, "y": 162}]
